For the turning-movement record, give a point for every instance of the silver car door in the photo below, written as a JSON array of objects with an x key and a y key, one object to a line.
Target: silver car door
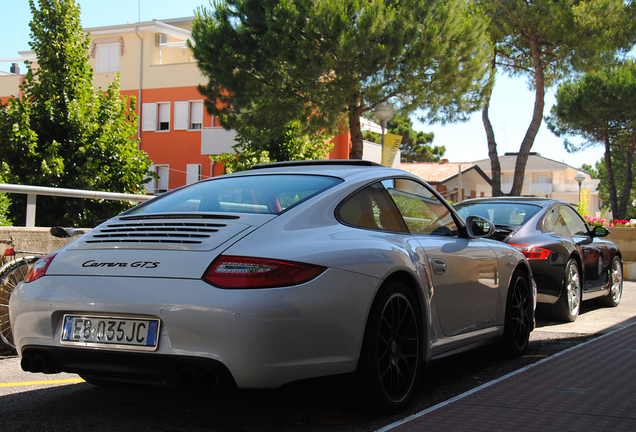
[{"x": 464, "y": 271}]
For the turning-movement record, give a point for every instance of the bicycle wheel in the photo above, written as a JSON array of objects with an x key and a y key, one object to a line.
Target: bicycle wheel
[{"x": 10, "y": 275}]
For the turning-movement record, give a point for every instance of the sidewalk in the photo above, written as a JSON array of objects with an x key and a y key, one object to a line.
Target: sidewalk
[{"x": 590, "y": 387}]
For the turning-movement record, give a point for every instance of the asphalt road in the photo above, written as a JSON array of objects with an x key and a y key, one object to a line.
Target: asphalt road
[{"x": 63, "y": 402}]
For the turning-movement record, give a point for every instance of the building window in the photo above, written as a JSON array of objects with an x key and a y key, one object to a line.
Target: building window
[
  {"x": 161, "y": 185},
  {"x": 188, "y": 115},
  {"x": 107, "y": 58},
  {"x": 193, "y": 173},
  {"x": 155, "y": 116}
]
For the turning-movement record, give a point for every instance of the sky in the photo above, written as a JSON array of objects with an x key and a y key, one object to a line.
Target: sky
[{"x": 510, "y": 109}]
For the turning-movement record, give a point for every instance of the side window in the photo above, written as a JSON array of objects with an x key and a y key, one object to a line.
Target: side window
[
  {"x": 573, "y": 221},
  {"x": 556, "y": 223},
  {"x": 421, "y": 210},
  {"x": 550, "y": 220},
  {"x": 371, "y": 208}
]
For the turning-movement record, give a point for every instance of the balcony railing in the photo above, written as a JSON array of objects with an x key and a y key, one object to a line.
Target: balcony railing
[{"x": 33, "y": 191}]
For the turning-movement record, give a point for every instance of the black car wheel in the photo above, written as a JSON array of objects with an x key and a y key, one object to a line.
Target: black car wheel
[
  {"x": 518, "y": 324},
  {"x": 615, "y": 284},
  {"x": 391, "y": 357},
  {"x": 568, "y": 305}
]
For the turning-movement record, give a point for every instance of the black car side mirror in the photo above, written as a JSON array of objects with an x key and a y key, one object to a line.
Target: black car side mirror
[
  {"x": 600, "y": 231},
  {"x": 477, "y": 226}
]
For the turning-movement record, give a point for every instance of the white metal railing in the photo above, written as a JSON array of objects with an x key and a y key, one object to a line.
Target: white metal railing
[{"x": 33, "y": 191}]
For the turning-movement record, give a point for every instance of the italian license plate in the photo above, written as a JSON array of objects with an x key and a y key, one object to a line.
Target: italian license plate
[{"x": 112, "y": 332}]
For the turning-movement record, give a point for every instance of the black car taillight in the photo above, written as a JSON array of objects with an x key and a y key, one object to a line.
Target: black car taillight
[
  {"x": 532, "y": 252},
  {"x": 244, "y": 272}
]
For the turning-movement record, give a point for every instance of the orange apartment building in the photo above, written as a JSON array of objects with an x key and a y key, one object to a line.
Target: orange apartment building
[{"x": 157, "y": 67}]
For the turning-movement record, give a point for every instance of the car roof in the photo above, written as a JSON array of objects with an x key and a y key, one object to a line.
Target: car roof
[
  {"x": 341, "y": 168},
  {"x": 539, "y": 201}
]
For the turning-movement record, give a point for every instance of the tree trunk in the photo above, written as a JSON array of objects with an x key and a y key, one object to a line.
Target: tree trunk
[
  {"x": 356, "y": 133},
  {"x": 627, "y": 189},
  {"x": 535, "y": 123},
  {"x": 611, "y": 184},
  {"x": 495, "y": 166}
]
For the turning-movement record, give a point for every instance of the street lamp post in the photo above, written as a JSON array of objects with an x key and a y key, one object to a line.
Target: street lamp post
[
  {"x": 579, "y": 177},
  {"x": 383, "y": 112}
]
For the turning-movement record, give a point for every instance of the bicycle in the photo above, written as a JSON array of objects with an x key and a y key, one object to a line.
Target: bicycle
[{"x": 15, "y": 265}]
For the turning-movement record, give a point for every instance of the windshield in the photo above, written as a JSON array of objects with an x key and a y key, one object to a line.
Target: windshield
[
  {"x": 265, "y": 194},
  {"x": 499, "y": 213}
]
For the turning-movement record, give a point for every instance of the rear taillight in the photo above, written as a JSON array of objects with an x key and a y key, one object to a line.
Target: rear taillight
[
  {"x": 242, "y": 272},
  {"x": 39, "y": 268},
  {"x": 9, "y": 252},
  {"x": 532, "y": 252}
]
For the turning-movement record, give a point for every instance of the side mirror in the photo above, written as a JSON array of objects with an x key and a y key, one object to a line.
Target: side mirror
[
  {"x": 477, "y": 226},
  {"x": 600, "y": 231}
]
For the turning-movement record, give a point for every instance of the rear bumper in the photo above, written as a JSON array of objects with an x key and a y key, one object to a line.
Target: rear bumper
[
  {"x": 126, "y": 366},
  {"x": 264, "y": 338}
]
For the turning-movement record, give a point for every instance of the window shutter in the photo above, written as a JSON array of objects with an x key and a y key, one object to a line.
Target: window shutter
[
  {"x": 180, "y": 115},
  {"x": 150, "y": 186},
  {"x": 193, "y": 173},
  {"x": 113, "y": 57},
  {"x": 101, "y": 58},
  {"x": 162, "y": 183},
  {"x": 149, "y": 117}
]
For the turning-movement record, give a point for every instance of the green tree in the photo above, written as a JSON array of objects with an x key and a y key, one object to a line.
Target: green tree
[
  {"x": 5, "y": 133},
  {"x": 416, "y": 146},
  {"x": 327, "y": 62},
  {"x": 5, "y": 201},
  {"x": 600, "y": 107},
  {"x": 291, "y": 146},
  {"x": 545, "y": 40},
  {"x": 618, "y": 166},
  {"x": 66, "y": 133}
]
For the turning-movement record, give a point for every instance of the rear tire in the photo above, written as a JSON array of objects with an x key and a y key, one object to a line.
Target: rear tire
[
  {"x": 613, "y": 299},
  {"x": 391, "y": 357},
  {"x": 10, "y": 275},
  {"x": 518, "y": 324},
  {"x": 568, "y": 306}
]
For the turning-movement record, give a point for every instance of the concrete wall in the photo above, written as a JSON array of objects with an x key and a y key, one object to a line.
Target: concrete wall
[
  {"x": 625, "y": 239},
  {"x": 29, "y": 239}
]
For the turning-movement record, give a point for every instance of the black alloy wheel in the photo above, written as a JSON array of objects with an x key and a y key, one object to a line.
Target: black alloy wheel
[
  {"x": 390, "y": 361},
  {"x": 518, "y": 323}
]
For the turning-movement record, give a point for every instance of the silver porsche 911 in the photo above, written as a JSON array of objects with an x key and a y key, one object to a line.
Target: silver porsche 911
[{"x": 285, "y": 272}]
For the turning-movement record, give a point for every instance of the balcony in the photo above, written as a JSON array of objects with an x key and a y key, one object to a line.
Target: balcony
[{"x": 216, "y": 140}]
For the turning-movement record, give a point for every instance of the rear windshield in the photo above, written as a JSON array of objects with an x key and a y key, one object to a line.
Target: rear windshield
[
  {"x": 499, "y": 213},
  {"x": 265, "y": 194}
]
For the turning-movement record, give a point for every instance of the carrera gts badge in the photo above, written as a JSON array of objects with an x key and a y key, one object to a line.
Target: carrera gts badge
[{"x": 138, "y": 264}]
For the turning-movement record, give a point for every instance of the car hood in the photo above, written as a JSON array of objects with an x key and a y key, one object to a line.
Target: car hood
[{"x": 174, "y": 247}]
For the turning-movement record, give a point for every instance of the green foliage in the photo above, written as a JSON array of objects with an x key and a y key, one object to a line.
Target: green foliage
[
  {"x": 416, "y": 146},
  {"x": 323, "y": 62},
  {"x": 547, "y": 40},
  {"x": 591, "y": 170},
  {"x": 64, "y": 132},
  {"x": 292, "y": 145},
  {"x": 618, "y": 165},
  {"x": 5, "y": 201},
  {"x": 601, "y": 108}
]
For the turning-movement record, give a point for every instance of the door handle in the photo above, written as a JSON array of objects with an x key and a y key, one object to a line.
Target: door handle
[{"x": 439, "y": 266}]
